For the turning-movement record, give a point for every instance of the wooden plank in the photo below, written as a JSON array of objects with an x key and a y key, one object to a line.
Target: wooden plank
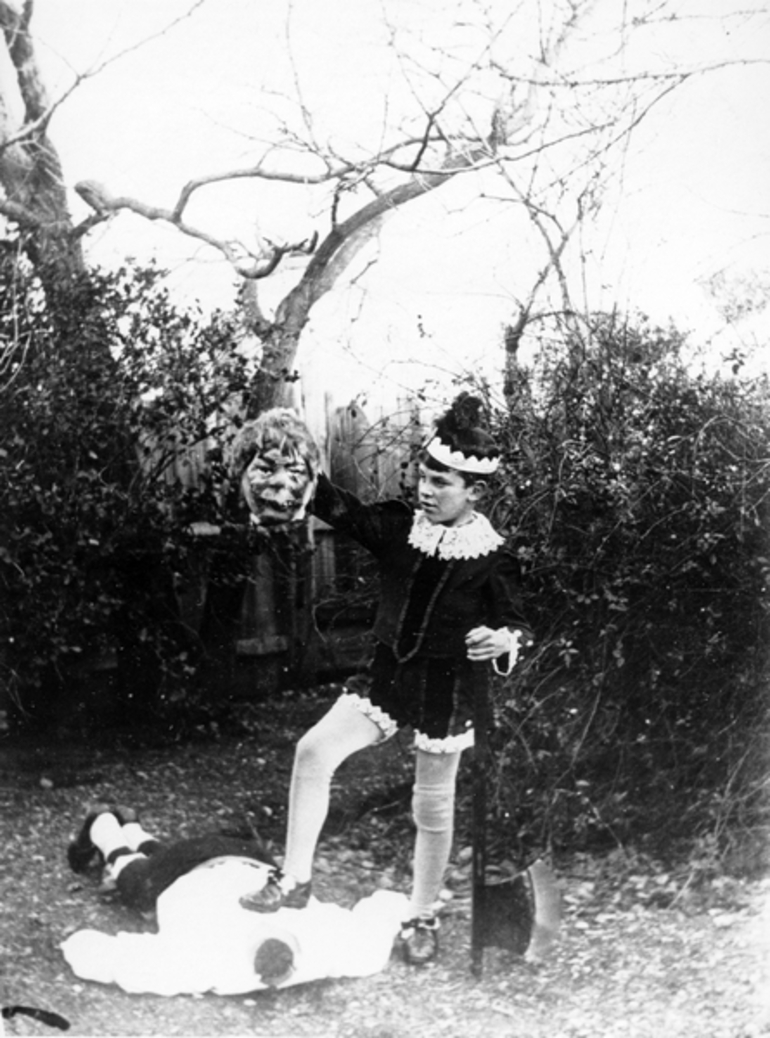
[{"x": 263, "y": 645}]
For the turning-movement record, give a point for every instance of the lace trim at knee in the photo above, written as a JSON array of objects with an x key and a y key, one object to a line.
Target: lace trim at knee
[
  {"x": 381, "y": 718},
  {"x": 449, "y": 744}
]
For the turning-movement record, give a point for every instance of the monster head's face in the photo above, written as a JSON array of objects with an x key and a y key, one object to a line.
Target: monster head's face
[{"x": 279, "y": 479}]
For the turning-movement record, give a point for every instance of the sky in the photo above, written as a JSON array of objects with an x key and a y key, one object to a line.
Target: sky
[{"x": 690, "y": 200}]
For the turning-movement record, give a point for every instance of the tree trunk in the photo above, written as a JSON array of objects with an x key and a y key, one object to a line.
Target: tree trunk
[{"x": 30, "y": 169}]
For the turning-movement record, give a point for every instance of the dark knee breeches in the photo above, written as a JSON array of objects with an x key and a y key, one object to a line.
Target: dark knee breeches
[{"x": 142, "y": 881}]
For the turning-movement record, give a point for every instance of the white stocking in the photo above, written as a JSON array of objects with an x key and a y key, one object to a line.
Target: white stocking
[
  {"x": 342, "y": 731},
  {"x": 109, "y": 836},
  {"x": 106, "y": 833},
  {"x": 433, "y": 804}
]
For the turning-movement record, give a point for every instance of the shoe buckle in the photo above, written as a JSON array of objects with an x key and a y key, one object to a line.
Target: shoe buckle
[{"x": 421, "y": 924}]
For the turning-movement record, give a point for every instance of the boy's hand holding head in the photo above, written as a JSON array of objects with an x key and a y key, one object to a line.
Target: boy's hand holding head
[{"x": 278, "y": 463}]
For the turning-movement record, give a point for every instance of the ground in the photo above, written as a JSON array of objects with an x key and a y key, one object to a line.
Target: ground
[{"x": 643, "y": 951}]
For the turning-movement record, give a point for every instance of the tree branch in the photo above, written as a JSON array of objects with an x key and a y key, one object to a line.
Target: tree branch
[
  {"x": 245, "y": 262},
  {"x": 38, "y": 109},
  {"x": 351, "y": 234}
]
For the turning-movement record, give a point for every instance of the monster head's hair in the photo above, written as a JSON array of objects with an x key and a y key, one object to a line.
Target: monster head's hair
[{"x": 279, "y": 427}]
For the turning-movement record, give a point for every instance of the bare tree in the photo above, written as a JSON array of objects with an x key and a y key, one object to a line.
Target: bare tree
[
  {"x": 34, "y": 195},
  {"x": 538, "y": 96}
]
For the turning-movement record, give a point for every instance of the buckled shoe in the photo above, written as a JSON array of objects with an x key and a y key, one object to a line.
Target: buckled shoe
[
  {"x": 277, "y": 894},
  {"x": 419, "y": 940}
]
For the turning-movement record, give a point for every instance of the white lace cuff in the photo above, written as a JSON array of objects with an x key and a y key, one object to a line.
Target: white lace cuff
[{"x": 512, "y": 654}]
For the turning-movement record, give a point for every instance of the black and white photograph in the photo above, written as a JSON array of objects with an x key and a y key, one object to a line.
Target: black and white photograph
[{"x": 385, "y": 518}]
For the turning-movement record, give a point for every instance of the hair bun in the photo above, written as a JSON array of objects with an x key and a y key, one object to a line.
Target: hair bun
[{"x": 464, "y": 414}]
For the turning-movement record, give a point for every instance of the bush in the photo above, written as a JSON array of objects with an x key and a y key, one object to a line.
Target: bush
[
  {"x": 95, "y": 530},
  {"x": 636, "y": 495}
]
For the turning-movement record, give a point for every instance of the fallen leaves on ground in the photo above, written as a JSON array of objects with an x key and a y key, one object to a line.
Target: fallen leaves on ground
[{"x": 641, "y": 954}]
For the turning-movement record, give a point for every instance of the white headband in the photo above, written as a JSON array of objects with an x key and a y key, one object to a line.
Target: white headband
[{"x": 459, "y": 461}]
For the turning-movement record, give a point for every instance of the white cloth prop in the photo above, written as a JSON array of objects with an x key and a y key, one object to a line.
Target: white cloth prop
[{"x": 207, "y": 943}]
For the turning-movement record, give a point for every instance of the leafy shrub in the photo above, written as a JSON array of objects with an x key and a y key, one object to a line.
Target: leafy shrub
[
  {"x": 97, "y": 403},
  {"x": 636, "y": 494}
]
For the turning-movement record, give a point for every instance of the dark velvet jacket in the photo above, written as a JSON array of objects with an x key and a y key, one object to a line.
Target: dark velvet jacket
[{"x": 470, "y": 592}]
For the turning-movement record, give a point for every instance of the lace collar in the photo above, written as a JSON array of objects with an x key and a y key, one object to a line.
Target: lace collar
[{"x": 469, "y": 541}]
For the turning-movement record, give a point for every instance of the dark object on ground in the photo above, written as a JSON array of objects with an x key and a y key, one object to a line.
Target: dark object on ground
[
  {"x": 521, "y": 914},
  {"x": 45, "y": 1016}
]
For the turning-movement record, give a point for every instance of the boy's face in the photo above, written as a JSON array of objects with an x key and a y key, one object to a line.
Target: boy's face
[
  {"x": 445, "y": 497},
  {"x": 278, "y": 485}
]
